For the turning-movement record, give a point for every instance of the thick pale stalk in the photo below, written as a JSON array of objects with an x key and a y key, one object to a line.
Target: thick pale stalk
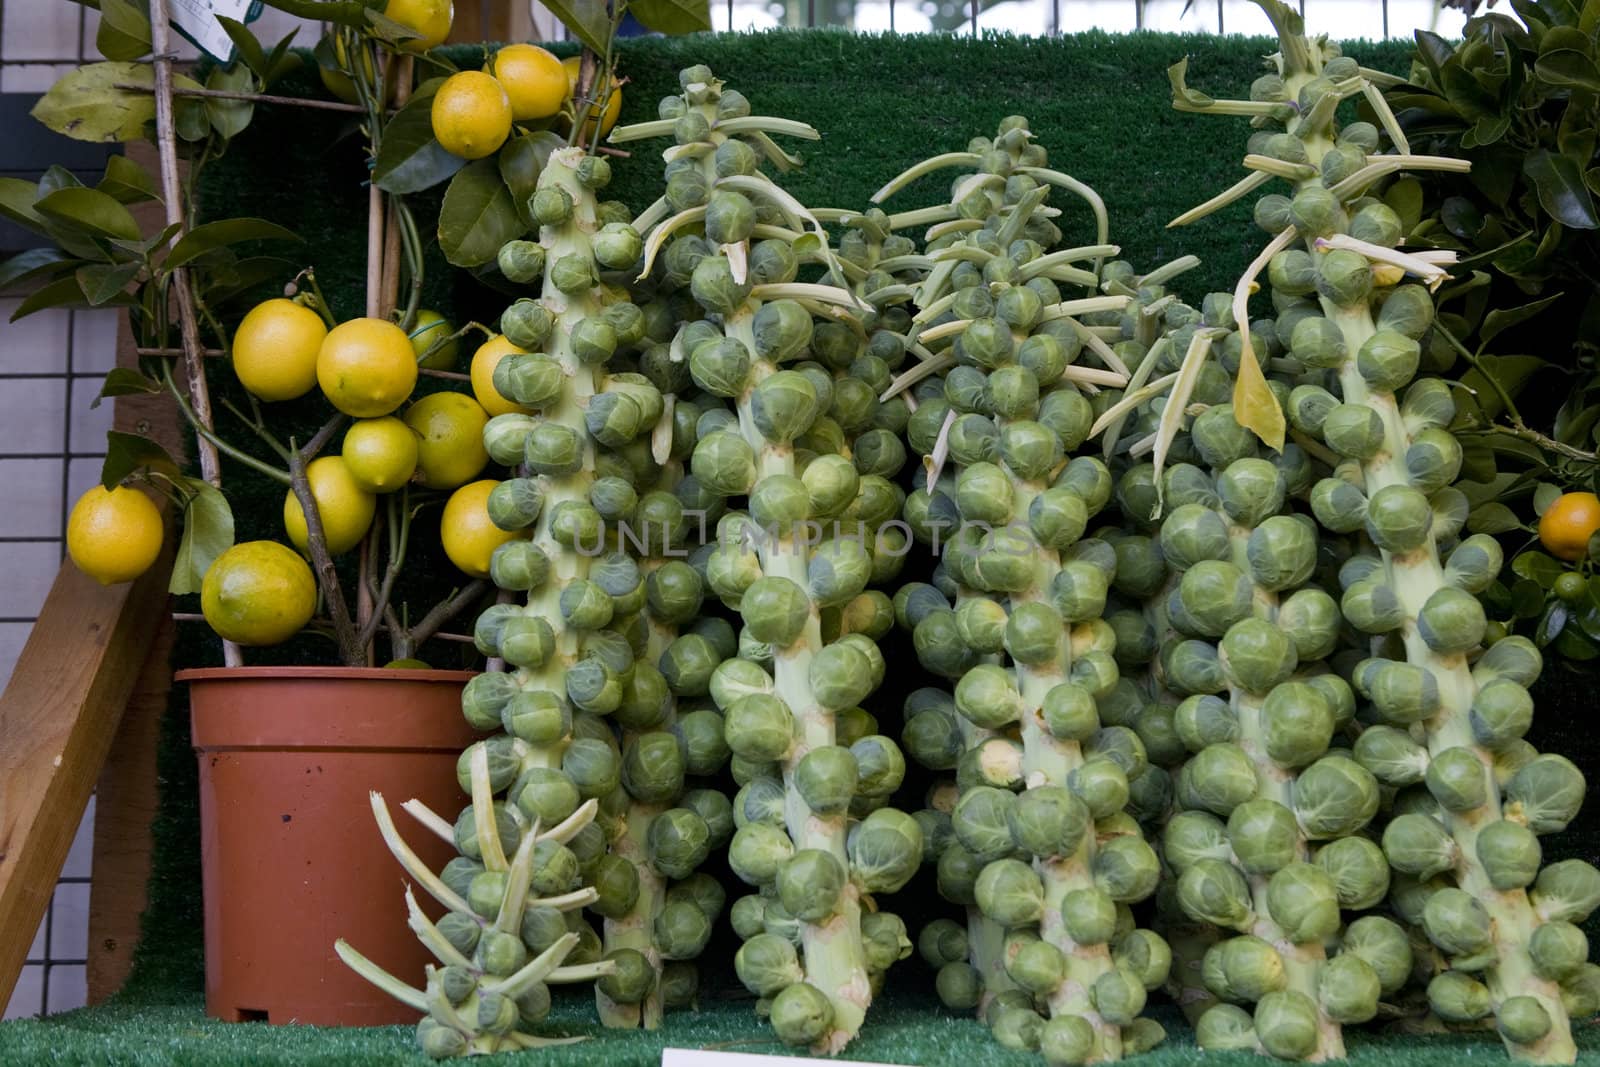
[{"x": 834, "y": 958}]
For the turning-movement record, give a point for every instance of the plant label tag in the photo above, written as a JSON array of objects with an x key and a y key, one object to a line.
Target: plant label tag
[
  {"x": 197, "y": 20},
  {"x": 693, "y": 1057}
]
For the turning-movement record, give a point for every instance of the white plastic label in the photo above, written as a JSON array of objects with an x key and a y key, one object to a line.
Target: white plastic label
[
  {"x": 197, "y": 20},
  {"x": 684, "y": 1057}
]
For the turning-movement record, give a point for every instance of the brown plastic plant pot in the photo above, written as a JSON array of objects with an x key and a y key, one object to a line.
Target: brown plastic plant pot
[{"x": 291, "y": 855}]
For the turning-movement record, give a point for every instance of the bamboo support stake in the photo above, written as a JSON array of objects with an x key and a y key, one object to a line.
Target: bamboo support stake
[{"x": 193, "y": 362}]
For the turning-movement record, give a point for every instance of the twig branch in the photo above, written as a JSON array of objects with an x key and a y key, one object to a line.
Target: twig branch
[
  {"x": 167, "y": 145},
  {"x": 256, "y": 98},
  {"x": 327, "y": 575},
  {"x": 446, "y": 610}
]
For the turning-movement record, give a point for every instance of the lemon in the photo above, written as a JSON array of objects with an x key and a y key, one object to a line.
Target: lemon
[
  {"x": 275, "y": 349},
  {"x": 534, "y": 80},
  {"x": 258, "y": 593},
  {"x": 430, "y": 329},
  {"x": 450, "y": 427},
  {"x": 380, "y": 454},
  {"x": 430, "y": 18},
  {"x": 465, "y": 530},
  {"x": 471, "y": 115},
  {"x": 114, "y": 536},
  {"x": 367, "y": 367},
  {"x": 608, "y": 114},
  {"x": 346, "y": 508},
  {"x": 408, "y": 664},
  {"x": 483, "y": 364}
]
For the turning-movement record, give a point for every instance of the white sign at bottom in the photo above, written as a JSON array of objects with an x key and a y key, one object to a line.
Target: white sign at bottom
[{"x": 688, "y": 1057}]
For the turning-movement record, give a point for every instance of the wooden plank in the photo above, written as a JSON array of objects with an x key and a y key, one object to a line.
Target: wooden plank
[
  {"x": 127, "y": 788},
  {"x": 494, "y": 21},
  {"x": 58, "y": 717}
]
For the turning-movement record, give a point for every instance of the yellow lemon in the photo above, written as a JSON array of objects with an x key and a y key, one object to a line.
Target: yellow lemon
[
  {"x": 408, "y": 664},
  {"x": 465, "y": 530},
  {"x": 534, "y": 80},
  {"x": 450, "y": 426},
  {"x": 258, "y": 593},
  {"x": 114, "y": 536},
  {"x": 608, "y": 114},
  {"x": 380, "y": 454},
  {"x": 275, "y": 349},
  {"x": 346, "y": 508},
  {"x": 484, "y": 361},
  {"x": 432, "y": 328},
  {"x": 471, "y": 115},
  {"x": 366, "y": 367},
  {"x": 430, "y": 18}
]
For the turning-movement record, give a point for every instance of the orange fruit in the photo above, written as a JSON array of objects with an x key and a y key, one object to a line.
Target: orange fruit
[
  {"x": 1568, "y": 523},
  {"x": 467, "y": 533},
  {"x": 484, "y": 361}
]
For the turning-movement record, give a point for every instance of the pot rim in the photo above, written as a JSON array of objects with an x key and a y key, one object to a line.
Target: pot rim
[{"x": 351, "y": 674}]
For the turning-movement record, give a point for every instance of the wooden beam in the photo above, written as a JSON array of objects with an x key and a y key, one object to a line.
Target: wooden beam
[
  {"x": 58, "y": 717},
  {"x": 494, "y": 21}
]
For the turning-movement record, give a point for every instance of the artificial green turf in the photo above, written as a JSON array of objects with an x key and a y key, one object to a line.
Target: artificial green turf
[{"x": 1101, "y": 105}]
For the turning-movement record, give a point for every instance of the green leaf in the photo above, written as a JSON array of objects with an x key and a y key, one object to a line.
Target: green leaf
[
  {"x": 410, "y": 158},
  {"x": 1434, "y": 51},
  {"x": 101, "y": 282},
  {"x": 388, "y": 29},
  {"x": 672, "y": 16},
  {"x": 17, "y": 198},
  {"x": 520, "y": 161},
  {"x": 127, "y": 182},
  {"x": 207, "y": 534},
  {"x": 1569, "y": 68},
  {"x": 91, "y": 211},
  {"x": 587, "y": 20},
  {"x": 281, "y": 61},
  {"x": 1493, "y": 518},
  {"x": 63, "y": 292},
  {"x": 125, "y": 381},
  {"x": 1570, "y": 645},
  {"x": 84, "y": 105},
  {"x": 477, "y": 215},
  {"x": 124, "y": 31},
  {"x": 1544, "y": 494},
  {"x": 1551, "y": 624},
  {"x": 129, "y": 452},
  {"x": 230, "y": 117},
  {"x": 1537, "y": 567},
  {"x": 57, "y": 177},
  {"x": 1562, "y": 192},
  {"x": 1497, "y": 322},
  {"x": 249, "y": 49},
  {"x": 36, "y": 263},
  {"x": 245, "y": 275},
  {"x": 1405, "y": 198},
  {"x": 1511, "y": 372},
  {"x": 209, "y": 236},
  {"x": 1527, "y": 599}
]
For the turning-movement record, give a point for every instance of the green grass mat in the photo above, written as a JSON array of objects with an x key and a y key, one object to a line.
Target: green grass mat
[
  {"x": 1100, "y": 104},
  {"x": 903, "y": 1029}
]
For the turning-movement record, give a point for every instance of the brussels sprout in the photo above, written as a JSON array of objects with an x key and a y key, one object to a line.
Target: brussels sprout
[
  {"x": 1047, "y": 821},
  {"x": 1298, "y": 723},
  {"x": 959, "y": 986},
  {"x": 1456, "y": 922},
  {"x": 1559, "y": 950},
  {"x": 1010, "y": 892},
  {"x": 1127, "y": 869},
  {"x": 1286, "y": 1023},
  {"x": 1118, "y": 996},
  {"x": 801, "y": 1014},
  {"x": 1458, "y": 998},
  {"x": 1089, "y": 915},
  {"x": 1334, "y": 797},
  {"x": 1353, "y": 430},
  {"x": 1263, "y": 835},
  {"x": 1567, "y": 891},
  {"x": 1458, "y": 779},
  {"x": 1218, "y": 779},
  {"x": 1388, "y": 360},
  {"x": 1509, "y": 853},
  {"x": 1205, "y": 720},
  {"x": 1215, "y": 595},
  {"x": 1226, "y": 1027},
  {"x": 1359, "y": 871},
  {"x": 1383, "y": 946},
  {"x": 1545, "y": 794},
  {"x": 1304, "y": 903},
  {"x": 1101, "y": 784},
  {"x": 1214, "y": 891},
  {"x": 677, "y": 842},
  {"x": 1391, "y": 755},
  {"x": 1282, "y": 552},
  {"x": 1256, "y": 656},
  {"x": 1403, "y": 693},
  {"x": 885, "y": 850},
  {"x": 1038, "y": 967}
]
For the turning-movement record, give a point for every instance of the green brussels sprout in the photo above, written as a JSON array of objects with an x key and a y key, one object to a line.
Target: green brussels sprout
[
  {"x": 1215, "y": 595},
  {"x": 843, "y": 674},
  {"x": 959, "y": 986},
  {"x": 1392, "y": 756},
  {"x": 1338, "y": 505},
  {"x": 809, "y": 884},
  {"x": 1118, "y": 996},
  {"x": 1344, "y": 277},
  {"x": 1218, "y": 779},
  {"x": 759, "y": 727},
  {"x": 1192, "y": 534},
  {"x": 1522, "y": 1020},
  {"x": 681, "y": 930},
  {"x": 1388, "y": 360},
  {"x": 1509, "y": 853},
  {"x": 942, "y": 941},
  {"x": 677, "y": 842},
  {"x": 1224, "y": 1028},
  {"x": 1251, "y": 968},
  {"x": 1459, "y": 998},
  {"x": 1452, "y": 621},
  {"x": 1308, "y": 406},
  {"x": 1298, "y": 723},
  {"x": 1286, "y": 1020},
  {"x": 1455, "y": 921},
  {"x": 884, "y": 940},
  {"x": 1256, "y": 656},
  {"x": 885, "y": 850},
  {"x": 1126, "y": 869},
  {"x": 1214, "y": 891},
  {"x": 1047, "y": 821},
  {"x": 1310, "y": 619},
  {"x": 1318, "y": 343},
  {"x": 1282, "y": 552},
  {"x": 1559, "y": 950},
  {"x": 1348, "y": 989},
  {"x": 652, "y": 767},
  {"x": 1474, "y": 564},
  {"x": 1205, "y": 720},
  {"x": 1458, "y": 779},
  {"x": 1566, "y": 891},
  {"x": 1090, "y": 917},
  {"x": 1009, "y": 892},
  {"x": 1101, "y": 784},
  {"x": 1545, "y": 794},
  {"x": 1372, "y": 607},
  {"x": 1358, "y": 869},
  {"x": 1335, "y": 797},
  {"x": 1251, "y": 490},
  {"x": 1353, "y": 430},
  {"x": 1399, "y": 518},
  {"x": 1304, "y": 903},
  {"x": 1293, "y": 270},
  {"x": 1382, "y": 945},
  {"x": 1078, "y": 591},
  {"x": 1157, "y": 728},
  {"x": 1263, "y": 836},
  {"x": 801, "y": 1014},
  {"x": 1403, "y": 693}
]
